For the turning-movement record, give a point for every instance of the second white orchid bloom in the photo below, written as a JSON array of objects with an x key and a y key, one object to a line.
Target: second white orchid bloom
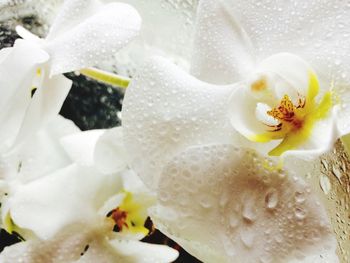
[
  {"x": 89, "y": 211},
  {"x": 34, "y": 159},
  {"x": 83, "y": 34}
]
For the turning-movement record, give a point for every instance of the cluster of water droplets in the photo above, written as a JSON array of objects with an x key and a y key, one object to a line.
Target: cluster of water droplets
[
  {"x": 86, "y": 245},
  {"x": 335, "y": 167},
  {"x": 227, "y": 199},
  {"x": 319, "y": 36},
  {"x": 165, "y": 111},
  {"x": 328, "y": 177},
  {"x": 65, "y": 247}
]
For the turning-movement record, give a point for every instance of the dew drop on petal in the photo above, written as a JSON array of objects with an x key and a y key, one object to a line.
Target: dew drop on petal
[
  {"x": 337, "y": 173},
  {"x": 249, "y": 213},
  {"x": 205, "y": 201},
  {"x": 300, "y": 213},
  {"x": 247, "y": 238},
  {"x": 266, "y": 259},
  {"x": 233, "y": 219},
  {"x": 299, "y": 197},
  {"x": 325, "y": 184},
  {"x": 271, "y": 198}
]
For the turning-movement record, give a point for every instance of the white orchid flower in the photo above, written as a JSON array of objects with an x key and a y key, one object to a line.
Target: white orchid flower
[
  {"x": 283, "y": 86},
  {"x": 101, "y": 207},
  {"x": 35, "y": 158},
  {"x": 170, "y": 117},
  {"x": 83, "y": 34}
]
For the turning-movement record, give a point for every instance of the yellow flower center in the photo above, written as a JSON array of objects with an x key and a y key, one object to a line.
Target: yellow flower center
[
  {"x": 295, "y": 122},
  {"x": 129, "y": 216}
]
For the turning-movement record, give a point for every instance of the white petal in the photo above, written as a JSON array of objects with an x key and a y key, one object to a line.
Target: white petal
[
  {"x": 140, "y": 252},
  {"x": 166, "y": 110},
  {"x": 81, "y": 146},
  {"x": 40, "y": 155},
  {"x": 132, "y": 182},
  {"x": 4, "y": 52},
  {"x": 102, "y": 148},
  {"x": 17, "y": 69},
  {"x": 324, "y": 257},
  {"x": 72, "y": 13},
  {"x": 322, "y": 139},
  {"x": 222, "y": 52},
  {"x": 86, "y": 244},
  {"x": 160, "y": 42},
  {"x": 242, "y": 113},
  {"x": 64, "y": 247},
  {"x": 94, "y": 34},
  {"x": 110, "y": 155},
  {"x": 70, "y": 195},
  {"x": 76, "y": 243},
  {"x": 60, "y": 127},
  {"x": 343, "y": 111},
  {"x": 45, "y": 105},
  {"x": 228, "y": 201},
  {"x": 318, "y": 35},
  {"x": 291, "y": 69},
  {"x": 27, "y": 35}
]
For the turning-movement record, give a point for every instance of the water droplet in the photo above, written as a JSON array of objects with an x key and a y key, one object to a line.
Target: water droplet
[
  {"x": 299, "y": 197},
  {"x": 266, "y": 259},
  {"x": 325, "y": 184},
  {"x": 325, "y": 164},
  {"x": 278, "y": 237},
  {"x": 249, "y": 212},
  {"x": 300, "y": 213},
  {"x": 224, "y": 198},
  {"x": 271, "y": 198},
  {"x": 247, "y": 238},
  {"x": 205, "y": 201},
  {"x": 233, "y": 219},
  {"x": 337, "y": 173}
]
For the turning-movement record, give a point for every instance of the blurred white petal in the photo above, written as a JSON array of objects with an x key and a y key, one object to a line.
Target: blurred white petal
[
  {"x": 81, "y": 146},
  {"x": 45, "y": 105},
  {"x": 110, "y": 155},
  {"x": 96, "y": 32},
  {"x": 23, "y": 59}
]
